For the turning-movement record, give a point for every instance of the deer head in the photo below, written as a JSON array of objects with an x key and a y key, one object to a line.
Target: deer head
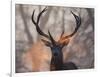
[{"x": 56, "y": 46}]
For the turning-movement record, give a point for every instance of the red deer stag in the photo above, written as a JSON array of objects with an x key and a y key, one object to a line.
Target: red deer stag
[{"x": 35, "y": 56}]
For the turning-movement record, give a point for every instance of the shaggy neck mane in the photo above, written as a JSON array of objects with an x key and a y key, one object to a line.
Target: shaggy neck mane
[{"x": 57, "y": 62}]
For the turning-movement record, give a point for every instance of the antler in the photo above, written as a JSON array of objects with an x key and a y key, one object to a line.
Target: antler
[
  {"x": 36, "y": 23},
  {"x": 78, "y": 23},
  {"x": 62, "y": 38}
]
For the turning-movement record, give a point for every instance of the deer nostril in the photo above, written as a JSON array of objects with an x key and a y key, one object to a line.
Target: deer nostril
[{"x": 55, "y": 54}]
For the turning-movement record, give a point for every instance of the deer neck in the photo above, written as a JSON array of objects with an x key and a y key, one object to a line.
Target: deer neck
[{"x": 57, "y": 62}]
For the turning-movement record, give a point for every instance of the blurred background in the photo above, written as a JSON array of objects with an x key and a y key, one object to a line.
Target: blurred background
[{"x": 80, "y": 50}]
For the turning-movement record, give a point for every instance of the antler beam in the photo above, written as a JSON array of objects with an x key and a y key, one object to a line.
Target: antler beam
[
  {"x": 78, "y": 23},
  {"x": 37, "y": 23}
]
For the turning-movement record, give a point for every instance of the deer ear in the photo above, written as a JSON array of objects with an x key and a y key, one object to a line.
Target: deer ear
[
  {"x": 47, "y": 43},
  {"x": 65, "y": 43}
]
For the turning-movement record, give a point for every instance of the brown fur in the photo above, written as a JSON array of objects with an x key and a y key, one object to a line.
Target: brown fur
[{"x": 37, "y": 58}]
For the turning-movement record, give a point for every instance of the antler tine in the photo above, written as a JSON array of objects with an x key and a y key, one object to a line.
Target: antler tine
[
  {"x": 51, "y": 38},
  {"x": 78, "y": 23},
  {"x": 37, "y": 23},
  {"x": 33, "y": 18},
  {"x": 62, "y": 32},
  {"x": 38, "y": 18}
]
